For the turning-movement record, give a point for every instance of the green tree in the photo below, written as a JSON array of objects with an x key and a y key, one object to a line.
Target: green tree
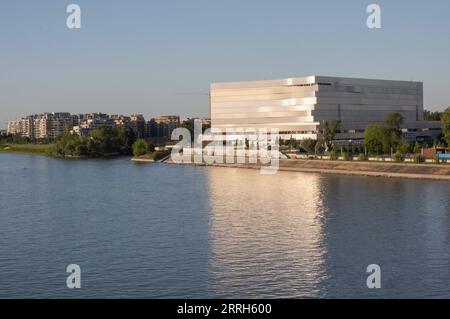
[
  {"x": 328, "y": 129},
  {"x": 403, "y": 147},
  {"x": 334, "y": 156},
  {"x": 94, "y": 148},
  {"x": 417, "y": 148},
  {"x": 140, "y": 147},
  {"x": 392, "y": 134},
  {"x": 431, "y": 116},
  {"x": 125, "y": 139},
  {"x": 309, "y": 145},
  {"x": 104, "y": 140},
  {"x": 374, "y": 138},
  {"x": 394, "y": 121},
  {"x": 82, "y": 149},
  {"x": 189, "y": 125},
  {"x": 65, "y": 145},
  {"x": 319, "y": 149},
  {"x": 151, "y": 147},
  {"x": 445, "y": 122}
]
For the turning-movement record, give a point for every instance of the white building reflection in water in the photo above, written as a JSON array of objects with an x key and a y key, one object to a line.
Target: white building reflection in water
[{"x": 261, "y": 247}]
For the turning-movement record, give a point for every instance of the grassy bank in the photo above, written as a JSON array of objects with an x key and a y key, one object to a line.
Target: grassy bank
[{"x": 35, "y": 149}]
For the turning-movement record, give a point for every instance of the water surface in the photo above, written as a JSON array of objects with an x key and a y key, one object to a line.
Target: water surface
[{"x": 168, "y": 231}]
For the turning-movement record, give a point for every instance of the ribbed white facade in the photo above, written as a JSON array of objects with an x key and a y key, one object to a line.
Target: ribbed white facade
[{"x": 296, "y": 106}]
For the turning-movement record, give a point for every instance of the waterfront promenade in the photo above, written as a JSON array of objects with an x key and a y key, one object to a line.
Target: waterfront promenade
[{"x": 376, "y": 169}]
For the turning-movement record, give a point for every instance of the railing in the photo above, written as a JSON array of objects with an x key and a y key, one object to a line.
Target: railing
[{"x": 409, "y": 158}]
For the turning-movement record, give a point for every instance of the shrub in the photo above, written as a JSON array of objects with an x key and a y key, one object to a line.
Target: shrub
[
  {"x": 346, "y": 156},
  {"x": 140, "y": 147},
  {"x": 309, "y": 145},
  {"x": 417, "y": 158},
  {"x": 319, "y": 148},
  {"x": 398, "y": 157},
  {"x": 436, "y": 160},
  {"x": 417, "y": 148},
  {"x": 333, "y": 155},
  {"x": 362, "y": 157},
  {"x": 403, "y": 147}
]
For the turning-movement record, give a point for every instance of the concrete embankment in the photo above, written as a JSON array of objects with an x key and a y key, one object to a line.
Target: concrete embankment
[{"x": 399, "y": 170}]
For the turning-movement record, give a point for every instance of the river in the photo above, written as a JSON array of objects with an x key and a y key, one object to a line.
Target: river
[{"x": 170, "y": 231}]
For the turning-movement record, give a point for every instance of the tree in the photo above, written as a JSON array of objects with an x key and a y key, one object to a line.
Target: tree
[
  {"x": 403, "y": 147},
  {"x": 189, "y": 125},
  {"x": 82, "y": 149},
  {"x": 94, "y": 148},
  {"x": 125, "y": 138},
  {"x": 391, "y": 140},
  {"x": 140, "y": 147},
  {"x": 328, "y": 129},
  {"x": 431, "y": 116},
  {"x": 374, "y": 138},
  {"x": 394, "y": 121},
  {"x": 445, "y": 122},
  {"x": 66, "y": 144},
  {"x": 417, "y": 148},
  {"x": 319, "y": 147},
  {"x": 151, "y": 147},
  {"x": 105, "y": 138},
  {"x": 309, "y": 145},
  {"x": 393, "y": 133}
]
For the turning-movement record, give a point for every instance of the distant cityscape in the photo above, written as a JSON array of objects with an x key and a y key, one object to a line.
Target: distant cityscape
[
  {"x": 298, "y": 107},
  {"x": 51, "y": 125}
]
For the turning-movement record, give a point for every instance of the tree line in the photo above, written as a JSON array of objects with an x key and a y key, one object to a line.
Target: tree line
[
  {"x": 100, "y": 142},
  {"x": 378, "y": 139}
]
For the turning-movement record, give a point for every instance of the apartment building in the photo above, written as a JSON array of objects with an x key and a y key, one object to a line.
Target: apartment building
[
  {"x": 23, "y": 127},
  {"x": 86, "y": 123},
  {"x": 50, "y": 125},
  {"x": 47, "y": 125},
  {"x": 162, "y": 126},
  {"x": 138, "y": 125}
]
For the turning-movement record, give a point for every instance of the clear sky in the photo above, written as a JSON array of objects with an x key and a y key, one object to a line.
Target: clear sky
[{"x": 159, "y": 57}]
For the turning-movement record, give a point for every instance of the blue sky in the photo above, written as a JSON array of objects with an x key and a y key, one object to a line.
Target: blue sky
[{"x": 159, "y": 57}]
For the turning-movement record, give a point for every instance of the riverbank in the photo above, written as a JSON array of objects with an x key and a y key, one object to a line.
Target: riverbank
[
  {"x": 33, "y": 149},
  {"x": 46, "y": 150},
  {"x": 157, "y": 156},
  {"x": 375, "y": 169}
]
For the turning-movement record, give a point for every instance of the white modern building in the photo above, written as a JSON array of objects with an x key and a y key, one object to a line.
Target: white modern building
[{"x": 297, "y": 106}]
